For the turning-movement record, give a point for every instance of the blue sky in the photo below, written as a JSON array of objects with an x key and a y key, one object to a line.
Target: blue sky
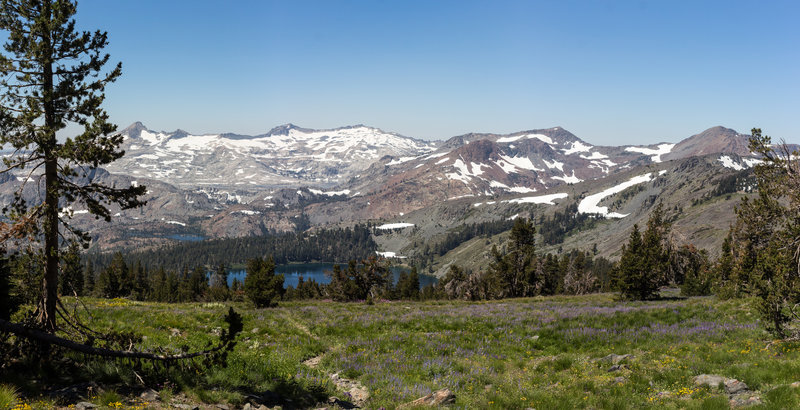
[{"x": 612, "y": 72}]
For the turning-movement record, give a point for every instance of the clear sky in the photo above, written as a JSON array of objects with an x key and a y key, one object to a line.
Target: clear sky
[{"x": 612, "y": 72}]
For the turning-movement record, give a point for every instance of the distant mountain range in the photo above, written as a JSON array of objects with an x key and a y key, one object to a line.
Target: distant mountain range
[
  {"x": 293, "y": 178},
  {"x": 355, "y": 158},
  {"x": 285, "y": 156}
]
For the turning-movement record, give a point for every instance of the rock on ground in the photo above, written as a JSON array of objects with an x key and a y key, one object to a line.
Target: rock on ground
[
  {"x": 733, "y": 386},
  {"x": 739, "y": 394},
  {"x": 710, "y": 380},
  {"x": 437, "y": 398},
  {"x": 744, "y": 399},
  {"x": 313, "y": 362},
  {"x": 615, "y": 358},
  {"x": 358, "y": 393}
]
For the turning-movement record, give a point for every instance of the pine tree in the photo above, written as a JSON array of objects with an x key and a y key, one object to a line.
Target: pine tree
[
  {"x": 8, "y": 304},
  {"x": 644, "y": 264},
  {"x": 633, "y": 278},
  {"x": 109, "y": 282},
  {"x": 765, "y": 241},
  {"x": 88, "y": 278},
  {"x": 513, "y": 274},
  {"x": 218, "y": 290},
  {"x": 408, "y": 285},
  {"x": 72, "y": 271},
  {"x": 261, "y": 285},
  {"x": 52, "y": 75}
]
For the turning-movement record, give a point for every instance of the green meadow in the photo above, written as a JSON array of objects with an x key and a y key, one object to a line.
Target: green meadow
[{"x": 543, "y": 353}]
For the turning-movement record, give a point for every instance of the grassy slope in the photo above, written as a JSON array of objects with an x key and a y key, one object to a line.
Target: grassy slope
[{"x": 539, "y": 352}]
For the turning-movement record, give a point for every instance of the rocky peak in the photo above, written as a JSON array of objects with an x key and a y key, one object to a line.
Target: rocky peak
[{"x": 715, "y": 140}]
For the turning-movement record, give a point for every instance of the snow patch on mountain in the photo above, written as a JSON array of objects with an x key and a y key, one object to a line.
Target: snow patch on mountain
[
  {"x": 554, "y": 165},
  {"x": 656, "y": 153},
  {"x": 397, "y": 225},
  {"x": 569, "y": 179},
  {"x": 728, "y": 162},
  {"x": 330, "y": 193},
  {"x": 540, "y": 137},
  {"x": 595, "y": 156},
  {"x": 390, "y": 255},
  {"x": 517, "y": 162},
  {"x": 522, "y": 190},
  {"x": 541, "y": 199},
  {"x": 400, "y": 160},
  {"x": 577, "y": 147},
  {"x": 589, "y": 205}
]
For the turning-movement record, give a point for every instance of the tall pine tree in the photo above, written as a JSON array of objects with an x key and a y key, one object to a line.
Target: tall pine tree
[
  {"x": 765, "y": 241},
  {"x": 53, "y": 75}
]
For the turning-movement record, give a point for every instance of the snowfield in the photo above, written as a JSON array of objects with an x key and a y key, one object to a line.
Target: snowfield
[
  {"x": 728, "y": 162},
  {"x": 589, "y": 205},
  {"x": 395, "y": 225},
  {"x": 390, "y": 255},
  {"x": 541, "y": 199},
  {"x": 656, "y": 153}
]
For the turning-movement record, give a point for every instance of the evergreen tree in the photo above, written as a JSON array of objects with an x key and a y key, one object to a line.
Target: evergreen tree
[
  {"x": 71, "y": 270},
  {"x": 342, "y": 287},
  {"x": 693, "y": 267},
  {"x": 140, "y": 287},
  {"x": 26, "y": 274},
  {"x": 408, "y": 285},
  {"x": 171, "y": 287},
  {"x": 88, "y": 278},
  {"x": 52, "y": 75},
  {"x": 644, "y": 264},
  {"x": 261, "y": 285},
  {"x": 184, "y": 286},
  {"x": 552, "y": 274},
  {"x": 724, "y": 282},
  {"x": 513, "y": 274},
  {"x": 8, "y": 304},
  {"x": 159, "y": 287},
  {"x": 765, "y": 241},
  {"x": 657, "y": 248},
  {"x": 634, "y": 280},
  {"x": 198, "y": 283},
  {"x": 218, "y": 289},
  {"x": 373, "y": 277},
  {"x": 108, "y": 283},
  {"x": 454, "y": 284}
]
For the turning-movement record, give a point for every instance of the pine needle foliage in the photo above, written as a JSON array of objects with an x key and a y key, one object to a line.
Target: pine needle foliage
[
  {"x": 52, "y": 75},
  {"x": 764, "y": 245}
]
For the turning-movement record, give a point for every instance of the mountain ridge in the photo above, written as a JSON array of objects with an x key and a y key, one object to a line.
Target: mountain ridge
[{"x": 222, "y": 185}]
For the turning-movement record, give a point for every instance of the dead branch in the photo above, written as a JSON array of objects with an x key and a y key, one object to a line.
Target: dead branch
[{"x": 38, "y": 335}]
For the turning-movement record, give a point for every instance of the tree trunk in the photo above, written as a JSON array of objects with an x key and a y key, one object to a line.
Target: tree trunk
[{"x": 47, "y": 308}]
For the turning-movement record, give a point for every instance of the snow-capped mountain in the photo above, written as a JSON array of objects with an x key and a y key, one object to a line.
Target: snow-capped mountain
[
  {"x": 486, "y": 165},
  {"x": 393, "y": 173},
  {"x": 285, "y": 156},
  {"x": 293, "y": 178}
]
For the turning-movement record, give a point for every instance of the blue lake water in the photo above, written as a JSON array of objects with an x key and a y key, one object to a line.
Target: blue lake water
[
  {"x": 187, "y": 237},
  {"x": 319, "y": 272}
]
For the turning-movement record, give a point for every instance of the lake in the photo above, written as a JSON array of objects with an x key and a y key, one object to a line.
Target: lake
[
  {"x": 186, "y": 237},
  {"x": 317, "y": 271}
]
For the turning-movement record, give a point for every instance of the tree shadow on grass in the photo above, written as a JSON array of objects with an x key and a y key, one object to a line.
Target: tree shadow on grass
[
  {"x": 67, "y": 379},
  {"x": 289, "y": 394}
]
